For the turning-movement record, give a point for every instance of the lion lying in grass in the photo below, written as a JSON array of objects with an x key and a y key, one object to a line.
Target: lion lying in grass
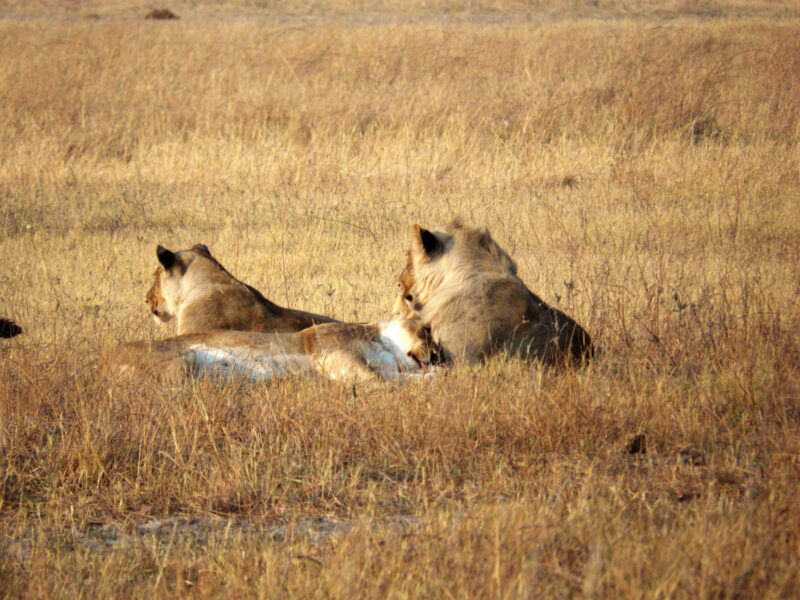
[
  {"x": 462, "y": 285},
  {"x": 194, "y": 288},
  {"x": 397, "y": 349}
]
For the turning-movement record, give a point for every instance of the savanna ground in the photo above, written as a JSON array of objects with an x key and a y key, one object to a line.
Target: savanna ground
[{"x": 639, "y": 161}]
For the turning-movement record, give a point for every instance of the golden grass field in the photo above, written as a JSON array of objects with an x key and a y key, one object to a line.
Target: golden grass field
[{"x": 640, "y": 162}]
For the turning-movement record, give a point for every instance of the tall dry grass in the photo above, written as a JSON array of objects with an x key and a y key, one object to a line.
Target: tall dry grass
[{"x": 642, "y": 172}]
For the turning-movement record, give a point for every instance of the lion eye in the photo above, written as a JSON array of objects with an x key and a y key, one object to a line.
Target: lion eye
[{"x": 408, "y": 298}]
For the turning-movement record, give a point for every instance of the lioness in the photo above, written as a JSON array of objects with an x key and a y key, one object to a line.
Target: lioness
[
  {"x": 462, "y": 285},
  {"x": 192, "y": 286},
  {"x": 400, "y": 348}
]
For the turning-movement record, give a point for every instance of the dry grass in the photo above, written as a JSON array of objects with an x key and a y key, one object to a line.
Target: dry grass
[{"x": 642, "y": 172}]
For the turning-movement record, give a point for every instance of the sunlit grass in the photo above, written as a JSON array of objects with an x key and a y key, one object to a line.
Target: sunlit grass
[{"x": 642, "y": 172}]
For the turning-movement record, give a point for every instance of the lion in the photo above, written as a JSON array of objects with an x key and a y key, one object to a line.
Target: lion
[
  {"x": 400, "y": 348},
  {"x": 192, "y": 287},
  {"x": 465, "y": 287}
]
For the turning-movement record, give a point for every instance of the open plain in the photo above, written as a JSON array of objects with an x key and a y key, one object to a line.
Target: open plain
[{"x": 640, "y": 162}]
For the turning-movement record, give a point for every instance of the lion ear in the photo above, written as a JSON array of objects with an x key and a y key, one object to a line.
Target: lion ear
[
  {"x": 486, "y": 242},
  {"x": 427, "y": 242},
  {"x": 165, "y": 257},
  {"x": 201, "y": 249}
]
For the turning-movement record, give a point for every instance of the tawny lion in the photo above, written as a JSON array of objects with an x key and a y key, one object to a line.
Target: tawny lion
[
  {"x": 194, "y": 288},
  {"x": 397, "y": 349},
  {"x": 462, "y": 285}
]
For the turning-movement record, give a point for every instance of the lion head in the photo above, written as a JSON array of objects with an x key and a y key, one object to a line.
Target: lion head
[
  {"x": 416, "y": 340},
  {"x": 168, "y": 289},
  {"x": 446, "y": 260}
]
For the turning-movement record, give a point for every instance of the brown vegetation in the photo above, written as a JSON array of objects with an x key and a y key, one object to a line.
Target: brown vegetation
[
  {"x": 642, "y": 172},
  {"x": 161, "y": 14}
]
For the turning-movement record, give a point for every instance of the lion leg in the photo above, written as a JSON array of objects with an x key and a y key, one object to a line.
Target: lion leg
[
  {"x": 134, "y": 361},
  {"x": 344, "y": 365}
]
